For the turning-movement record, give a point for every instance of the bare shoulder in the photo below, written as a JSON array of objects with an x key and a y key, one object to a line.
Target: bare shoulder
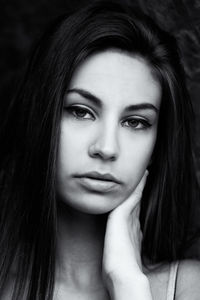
[
  {"x": 158, "y": 278},
  {"x": 187, "y": 284},
  {"x": 188, "y": 280}
]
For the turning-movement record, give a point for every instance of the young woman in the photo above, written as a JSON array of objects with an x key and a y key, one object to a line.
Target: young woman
[{"x": 97, "y": 174}]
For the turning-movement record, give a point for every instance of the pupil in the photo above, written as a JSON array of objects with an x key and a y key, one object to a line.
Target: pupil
[
  {"x": 134, "y": 123},
  {"x": 80, "y": 112}
]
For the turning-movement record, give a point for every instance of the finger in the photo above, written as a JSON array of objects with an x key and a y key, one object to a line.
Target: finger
[
  {"x": 140, "y": 187},
  {"x": 136, "y": 209},
  {"x": 131, "y": 202}
]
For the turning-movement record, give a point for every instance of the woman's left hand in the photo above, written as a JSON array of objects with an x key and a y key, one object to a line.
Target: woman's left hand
[{"x": 122, "y": 267}]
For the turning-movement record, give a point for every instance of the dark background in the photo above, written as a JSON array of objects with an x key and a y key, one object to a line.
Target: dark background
[{"x": 22, "y": 22}]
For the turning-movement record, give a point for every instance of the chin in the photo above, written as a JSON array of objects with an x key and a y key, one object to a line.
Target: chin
[{"x": 95, "y": 205}]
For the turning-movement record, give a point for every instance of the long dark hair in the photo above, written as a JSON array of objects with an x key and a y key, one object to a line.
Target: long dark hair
[{"x": 30, "y": 136}]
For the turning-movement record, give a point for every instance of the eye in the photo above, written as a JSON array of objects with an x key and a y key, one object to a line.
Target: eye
[
  {"x": 136, "y": 123},
  {"x": 80, "y": 112}
]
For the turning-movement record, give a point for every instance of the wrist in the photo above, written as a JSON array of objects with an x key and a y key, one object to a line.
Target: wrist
[{"x": 129, "y": 287}]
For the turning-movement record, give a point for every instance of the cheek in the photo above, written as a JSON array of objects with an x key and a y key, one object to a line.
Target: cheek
[
  {"x": 72, "y": 144},
  {"x": 136, "y": 158},
  {"x": 140, "y": 146}
]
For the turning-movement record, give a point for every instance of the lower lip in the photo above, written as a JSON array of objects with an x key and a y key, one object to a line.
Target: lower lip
[{"x": 97, "y": 185}]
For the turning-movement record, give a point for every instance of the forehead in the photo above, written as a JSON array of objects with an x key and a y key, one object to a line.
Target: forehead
[{"x": 118, "y": 78}]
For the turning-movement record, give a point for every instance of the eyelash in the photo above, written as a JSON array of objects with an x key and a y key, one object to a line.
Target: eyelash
[{"x": 141, "y": 124}]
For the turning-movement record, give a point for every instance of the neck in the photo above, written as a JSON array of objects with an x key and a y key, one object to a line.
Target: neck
[{"x": 80, "y": 249}]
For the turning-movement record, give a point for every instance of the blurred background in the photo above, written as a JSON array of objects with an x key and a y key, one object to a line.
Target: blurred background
[{"x": 22, "y": 22}]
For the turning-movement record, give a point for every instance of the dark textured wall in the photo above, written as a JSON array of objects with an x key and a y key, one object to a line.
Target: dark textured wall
[{"x": 22, "y": 22}]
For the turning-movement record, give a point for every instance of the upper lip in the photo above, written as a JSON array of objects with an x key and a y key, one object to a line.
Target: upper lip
[{"x": 99, "y": 176}]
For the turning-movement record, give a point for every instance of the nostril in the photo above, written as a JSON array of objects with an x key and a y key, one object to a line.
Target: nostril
[{"x": 102, "y": 153}]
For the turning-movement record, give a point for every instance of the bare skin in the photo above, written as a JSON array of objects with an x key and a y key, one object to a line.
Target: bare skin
[
  {"x": 102, "y": 129},
  {"x": 87, "y": 261},
  {"x": 89, "y": 284},
  {"x": 84, "y": 258},
  {"x": 81, "y": 253},
  {"x": 109, "y": 125}
]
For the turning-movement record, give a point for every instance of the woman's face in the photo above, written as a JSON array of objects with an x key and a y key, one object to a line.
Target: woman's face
[{"x": 108, "y": 131}]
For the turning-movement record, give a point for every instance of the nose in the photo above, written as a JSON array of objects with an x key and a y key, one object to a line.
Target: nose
[{"x": 105, "y": 145}]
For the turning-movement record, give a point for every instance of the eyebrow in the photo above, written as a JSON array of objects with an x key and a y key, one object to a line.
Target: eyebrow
[{"x": 87, "y": 95}]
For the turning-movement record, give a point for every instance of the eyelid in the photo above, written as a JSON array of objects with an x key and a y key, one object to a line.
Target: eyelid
[
  {"x": 138, "y": 118},
  {"x": 82, "y": 106}
]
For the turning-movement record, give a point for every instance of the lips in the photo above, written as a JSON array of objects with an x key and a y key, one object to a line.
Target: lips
[
  {"x": 98, "y": 182},
  {"x": 99, "y": 176}
]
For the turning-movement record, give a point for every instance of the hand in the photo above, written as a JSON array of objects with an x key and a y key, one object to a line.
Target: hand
[{"x": 121, "y": 258}]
